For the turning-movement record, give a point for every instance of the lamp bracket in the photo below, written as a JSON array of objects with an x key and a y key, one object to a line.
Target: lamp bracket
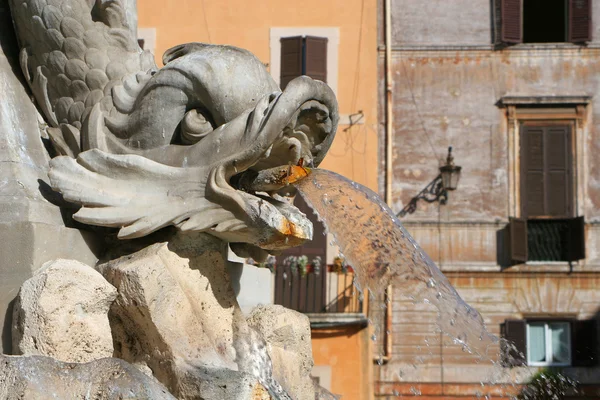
[{"x": 433, "y": 192}]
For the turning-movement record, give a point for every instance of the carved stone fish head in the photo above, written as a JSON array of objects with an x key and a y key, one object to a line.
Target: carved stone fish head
[{"x": 211, "y": 116}]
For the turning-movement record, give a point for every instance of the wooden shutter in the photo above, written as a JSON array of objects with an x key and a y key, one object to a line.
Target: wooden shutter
[
  {"x": 291, "y": 59},
  {"x": 576, "y": 239},
  {"x": 584, "y": 343},
  {"x": 580, "y": 21},
  {"x": 558, "y": 200},
  {"x": 518, "y": 239},
  {"x": 532, "y": 168},
  {"x": 514, "y": 346},
  {"x": 546, "y": 171},
  {"x": 315, "y": 58},
  {"x": 512, "y": 21}
]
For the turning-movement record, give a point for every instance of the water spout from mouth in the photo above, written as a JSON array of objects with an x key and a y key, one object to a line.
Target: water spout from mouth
[
  {"x": 382, "y": 252},
  {"x": 271, "y": 179}
]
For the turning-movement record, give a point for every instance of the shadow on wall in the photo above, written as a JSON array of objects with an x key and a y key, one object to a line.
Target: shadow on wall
[{"x": 7, "y": 328}]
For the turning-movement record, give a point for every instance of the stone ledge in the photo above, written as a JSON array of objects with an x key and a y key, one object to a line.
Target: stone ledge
[{"x": 329, "y": 320}]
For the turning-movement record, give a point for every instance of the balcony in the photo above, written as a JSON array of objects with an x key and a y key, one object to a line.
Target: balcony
[{"x": 327, "y": 295}]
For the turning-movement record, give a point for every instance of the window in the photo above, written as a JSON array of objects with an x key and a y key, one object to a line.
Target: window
[
  {"x": 303, "y": 55},
  {"x": 545, "y": 21},
  {"x": 549, "y": 343},
  {"x": 547, "y": 230},
  {"x": 332, "y": 34}
]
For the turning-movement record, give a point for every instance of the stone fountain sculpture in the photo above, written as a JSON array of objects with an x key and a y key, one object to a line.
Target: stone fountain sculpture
[{"x": 162, "y": 170}]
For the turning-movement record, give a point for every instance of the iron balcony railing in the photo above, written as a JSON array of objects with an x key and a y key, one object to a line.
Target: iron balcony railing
[{"x": 317, "y": 290}]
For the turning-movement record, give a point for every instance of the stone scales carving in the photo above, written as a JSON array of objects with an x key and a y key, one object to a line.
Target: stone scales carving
[{"x": 202, "y": 144}]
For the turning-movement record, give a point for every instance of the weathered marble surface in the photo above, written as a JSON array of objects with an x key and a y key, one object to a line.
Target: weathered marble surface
[
  {"x": 176, "y": 313},
  {"x": 62, "y": 312}
]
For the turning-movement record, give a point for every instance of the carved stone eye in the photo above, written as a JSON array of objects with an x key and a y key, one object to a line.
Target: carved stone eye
[{"x": 195, "y": 126}]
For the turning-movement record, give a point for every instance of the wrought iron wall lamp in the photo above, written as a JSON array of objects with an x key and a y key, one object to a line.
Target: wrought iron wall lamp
[{"x": 437, "y": 190}]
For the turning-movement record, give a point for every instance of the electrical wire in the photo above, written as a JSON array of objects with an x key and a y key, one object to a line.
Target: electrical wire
[
  {"x": 412, "y": 96},
  {"x": 206, "y": 22}
]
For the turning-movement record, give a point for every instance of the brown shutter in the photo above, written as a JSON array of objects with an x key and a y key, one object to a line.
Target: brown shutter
[
  {"x": 532, "y": 168},
  {"x": 584, "y": 343},
  {"x": 315, "y": 58},
  {"x": 576, "y": 239},
  {"x": 546, "y": 171},
  {"x": 512, "y": 21},
  {"x": 291, "y": 59},
  {"x": 514, "y": 346},
  {"x": 580, "y": 21},
  {"x": 518, "y": 239},
  {"x": 557, "y": 169}
]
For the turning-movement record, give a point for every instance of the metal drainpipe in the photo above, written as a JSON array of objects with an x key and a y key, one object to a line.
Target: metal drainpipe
[
  {"x": 388, "y": 166},
  {"x": 389, "y": 110}
]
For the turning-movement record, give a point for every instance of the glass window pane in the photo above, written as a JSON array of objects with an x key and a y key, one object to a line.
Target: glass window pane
[
  {"x": 537, "y": 342},
  {"x": 560, "y": 342}
]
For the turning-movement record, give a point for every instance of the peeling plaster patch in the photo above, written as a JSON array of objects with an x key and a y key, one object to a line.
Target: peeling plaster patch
[
  {"x": 445, "y": 123},
  {"x": 500, "y": 177},
  {"x": 406, "y": 172},
  {"x": 455, "y": 92},
  {"x": 466, "y": 122},
  {"x": 417, "y": 173}
]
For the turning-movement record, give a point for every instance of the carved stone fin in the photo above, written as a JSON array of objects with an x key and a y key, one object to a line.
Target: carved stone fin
[
  {"x": 23, "y": 59},
  {"x": 65, "y": 140},
  {"x": 40, "y": 91},
  {"x": 58, "y": 142},
  {"x": 94, "y": 136}
]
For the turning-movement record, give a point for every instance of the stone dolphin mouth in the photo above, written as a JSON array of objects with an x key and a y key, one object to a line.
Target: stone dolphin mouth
[{"x": 305, "y": 116}]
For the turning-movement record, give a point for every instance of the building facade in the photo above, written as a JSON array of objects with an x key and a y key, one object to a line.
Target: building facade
[
  {"x": 512, "y": 86},
  {"x": 334, "y": 41}
]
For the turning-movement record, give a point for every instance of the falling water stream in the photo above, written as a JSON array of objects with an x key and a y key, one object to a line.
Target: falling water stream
[{"x": 382, "y": 252}]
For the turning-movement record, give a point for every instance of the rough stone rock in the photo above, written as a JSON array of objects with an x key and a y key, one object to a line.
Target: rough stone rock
[
  {"x": 41, "y": 378},
  {"x": 287, "y": 334},
  {"x": 62, "y": 312},
  {"x": 202, "y": 383},
  {"x": 176, "y": 313}
]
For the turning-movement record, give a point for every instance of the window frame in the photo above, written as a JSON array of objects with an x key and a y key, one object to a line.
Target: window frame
[
  {"x": 509, "y": 25},
  {"x": 518, "y": 109},
  {"x": 548, "y": 343}
]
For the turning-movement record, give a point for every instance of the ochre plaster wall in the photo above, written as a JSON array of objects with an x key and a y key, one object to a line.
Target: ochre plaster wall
[
  {"x": 346, "y": 350},
  {"x": 247, "y": 24}
]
